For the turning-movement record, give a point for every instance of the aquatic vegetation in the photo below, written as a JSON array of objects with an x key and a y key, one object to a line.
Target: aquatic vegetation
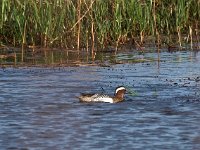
[
  {"x": 131, "y": 92},
  {"x": 89, "y": 24}
]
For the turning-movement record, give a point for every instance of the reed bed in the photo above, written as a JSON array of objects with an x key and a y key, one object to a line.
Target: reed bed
[{"x": 90, "y": 24}]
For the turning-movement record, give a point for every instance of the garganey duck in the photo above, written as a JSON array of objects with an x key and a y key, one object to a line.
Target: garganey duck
[{"x": 118, "y": 96}]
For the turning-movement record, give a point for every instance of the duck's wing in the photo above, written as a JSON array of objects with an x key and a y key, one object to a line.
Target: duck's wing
[
  {"x": 102, "y": 98},
  {"x": 86, "y": 97},
  {"x": 87, "y": 94}
]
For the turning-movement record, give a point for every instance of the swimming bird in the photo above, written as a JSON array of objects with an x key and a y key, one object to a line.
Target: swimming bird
[{"x": 118, "y": 96}]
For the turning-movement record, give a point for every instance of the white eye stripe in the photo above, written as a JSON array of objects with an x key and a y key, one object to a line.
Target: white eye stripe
[{"x": 119, "y": 89}]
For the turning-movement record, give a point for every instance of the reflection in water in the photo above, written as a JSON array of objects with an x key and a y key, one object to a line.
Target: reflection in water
[{"x": 40, "y": 110}]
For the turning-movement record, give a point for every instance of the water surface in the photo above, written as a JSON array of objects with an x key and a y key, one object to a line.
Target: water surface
[{"x": 40, "y": 110}]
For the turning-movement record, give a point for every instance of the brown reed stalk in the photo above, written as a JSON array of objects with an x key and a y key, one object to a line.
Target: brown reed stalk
[
  {"x": 23, "y": 42},
  {"x": 79, "y": 23},
  {"x": 92, "y": 32},
  {"x": 197, "y": 33},
  {"x": 156, "y": 32},
  {"x": 191, "y": 39},
  {"x": 179, "y": 37}
]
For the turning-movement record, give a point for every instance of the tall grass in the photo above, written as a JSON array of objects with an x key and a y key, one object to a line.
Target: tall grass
[{"x": 82, "y": 24}]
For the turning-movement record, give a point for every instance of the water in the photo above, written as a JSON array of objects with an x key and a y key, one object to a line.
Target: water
[{"x": 40, "y": 110}]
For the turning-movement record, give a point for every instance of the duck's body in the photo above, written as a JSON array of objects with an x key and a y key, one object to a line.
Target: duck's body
[
  {"x": 118, "y": 97},
  {"x": 96, "y": 98}
]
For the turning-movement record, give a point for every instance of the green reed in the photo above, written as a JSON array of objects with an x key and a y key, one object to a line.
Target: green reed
[{"x": 93, "y": 23}]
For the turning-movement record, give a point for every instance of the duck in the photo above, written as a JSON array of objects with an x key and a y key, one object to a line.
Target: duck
[{"x": 118, "y": 96}]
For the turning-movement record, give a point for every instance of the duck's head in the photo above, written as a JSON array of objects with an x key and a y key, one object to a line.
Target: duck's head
[{"x": 119, "y": 92}]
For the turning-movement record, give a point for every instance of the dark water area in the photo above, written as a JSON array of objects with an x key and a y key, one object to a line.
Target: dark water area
[{"x": 40, "y": 110}]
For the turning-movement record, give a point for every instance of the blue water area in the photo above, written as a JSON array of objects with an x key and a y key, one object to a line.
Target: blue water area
[{"x": 39, "y": 108}]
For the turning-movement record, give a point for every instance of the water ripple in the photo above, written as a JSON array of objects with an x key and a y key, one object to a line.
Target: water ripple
[{"x": 40, "y": 110}]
